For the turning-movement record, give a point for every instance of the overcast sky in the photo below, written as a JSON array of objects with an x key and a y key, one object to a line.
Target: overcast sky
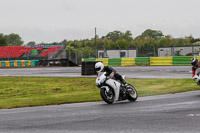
[{"x": 55, "y": 20}]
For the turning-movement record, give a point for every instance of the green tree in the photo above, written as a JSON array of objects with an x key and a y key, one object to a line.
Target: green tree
[
  {"x": 165, "y": 41},
  {"x": 114, "y": 36},
  {"x": 32, "y": 43},
  {"x": 152, "y": 34},
  {"x": 3, "y": 41},
  {"x": 117, "y": 39},
  {"x": 14, "y": 39},
  {"x": 64, "y": 42},
  {"x": 127, "y": 36}
]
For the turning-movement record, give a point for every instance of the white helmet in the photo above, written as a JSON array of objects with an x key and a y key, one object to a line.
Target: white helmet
[{"x": 99, "y": 66}]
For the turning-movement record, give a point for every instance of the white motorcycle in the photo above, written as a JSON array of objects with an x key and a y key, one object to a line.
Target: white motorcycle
[
  {"x": 111, "y": 90},
  {"x": 197, "y": 76}
]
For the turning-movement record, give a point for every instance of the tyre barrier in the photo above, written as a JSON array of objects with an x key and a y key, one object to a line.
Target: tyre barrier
[{"x": 88, "y": 68}]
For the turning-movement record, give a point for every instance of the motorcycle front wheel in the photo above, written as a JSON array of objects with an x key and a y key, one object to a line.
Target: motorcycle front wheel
[
  {"x": 108, "y": 97},
  {"x": 132, "y": 93}
]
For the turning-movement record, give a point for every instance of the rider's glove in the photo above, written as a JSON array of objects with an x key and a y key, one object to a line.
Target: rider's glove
[{"x": 111, "y": 75}]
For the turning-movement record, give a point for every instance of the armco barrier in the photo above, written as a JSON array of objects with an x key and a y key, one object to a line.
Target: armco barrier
[
  {"x": 3, "y": 64},
  {"x": 114, "y": 62},
  {"x": 181, "y": 60},
  {"x": 198, "y": 57},
  {"x": 7, "y": 63},
  {"x": 145, "y": 61},
  {"x": 105, "y": 61},
  {"x": 19, "y": 63},
  {"x": 23, "y": 63},
  {"x": 161, "y": 61},
  {"x": 89, "y": 59},
  {"x": 128, "y": 62},
  {"x": 34, "y": 63},
  {"x": 11, "y": 63},
  {"x": 15, "y": 63},
  {"x": 142, "y": 61},
  {"x": 139, "y": 61},
  {"x": 28, "y": 63}
]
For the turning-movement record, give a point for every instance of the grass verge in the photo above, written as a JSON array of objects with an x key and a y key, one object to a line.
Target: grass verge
[{"x": 36, "y": 91}]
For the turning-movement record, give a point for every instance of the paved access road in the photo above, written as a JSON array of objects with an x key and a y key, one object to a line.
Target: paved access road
[
  {"x": 130, "y": 72},
  {"x": 175, "y": 113}
]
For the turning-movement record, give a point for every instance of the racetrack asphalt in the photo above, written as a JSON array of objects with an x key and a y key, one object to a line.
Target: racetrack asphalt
[
  {"x": 171, "y": 113},
  {"x": 165, "y": 72}
]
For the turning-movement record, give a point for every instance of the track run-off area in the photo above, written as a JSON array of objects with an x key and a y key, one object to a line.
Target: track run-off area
[{"x": 178, "y": 112}]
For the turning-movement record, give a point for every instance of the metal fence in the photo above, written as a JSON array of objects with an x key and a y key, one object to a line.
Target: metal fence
[{"x": 76, "y": 56}]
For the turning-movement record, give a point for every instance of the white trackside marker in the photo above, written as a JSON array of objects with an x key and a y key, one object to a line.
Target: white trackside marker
[{"x": 192, "y": 115}]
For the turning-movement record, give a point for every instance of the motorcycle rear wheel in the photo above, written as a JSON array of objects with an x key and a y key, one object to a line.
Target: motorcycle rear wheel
[
  {"x": 132, "y": 93},
  {"x": 108, "y": 97}
]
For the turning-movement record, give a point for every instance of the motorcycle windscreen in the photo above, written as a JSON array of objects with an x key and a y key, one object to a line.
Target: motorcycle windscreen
[{"x": 100, "y": 73}]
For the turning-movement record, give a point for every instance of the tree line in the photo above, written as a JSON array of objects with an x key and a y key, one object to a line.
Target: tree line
[
  {"x": 144, "y": 43},
  {"x": 10, "y": 40}
]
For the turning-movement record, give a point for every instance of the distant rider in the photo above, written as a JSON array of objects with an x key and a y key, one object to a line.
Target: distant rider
[
  {"x": 99, "y": 67},
  {"x": 195, "y": 66}
]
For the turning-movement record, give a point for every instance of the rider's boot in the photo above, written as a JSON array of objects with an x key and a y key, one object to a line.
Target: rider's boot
[{"x": 124, "y": 83}]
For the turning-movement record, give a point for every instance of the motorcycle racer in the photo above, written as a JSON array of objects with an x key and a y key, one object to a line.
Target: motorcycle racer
[
  {"x": 99, "y": 67},
  {"x": 195, "y": 66}
]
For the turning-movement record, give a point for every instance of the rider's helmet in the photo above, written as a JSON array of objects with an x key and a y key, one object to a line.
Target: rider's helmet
[
  {"x": 194, "y": 62},
  {"x": 99, "y": 66}
]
